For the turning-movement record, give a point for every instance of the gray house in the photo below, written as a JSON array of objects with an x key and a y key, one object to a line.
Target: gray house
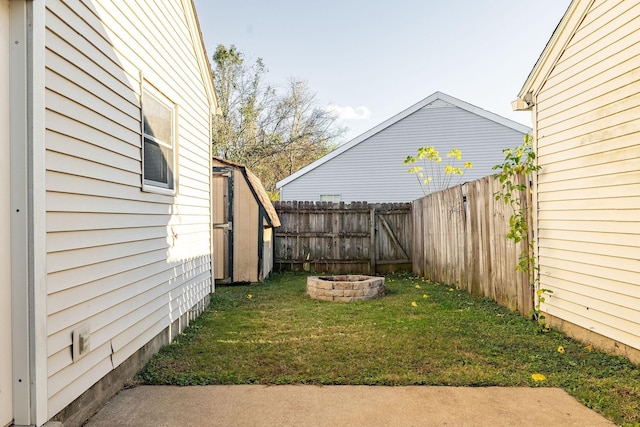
[{"x": 370, "y": 167}]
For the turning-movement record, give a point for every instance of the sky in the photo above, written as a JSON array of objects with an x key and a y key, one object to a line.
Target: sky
[{"x": 368, "y": 60}]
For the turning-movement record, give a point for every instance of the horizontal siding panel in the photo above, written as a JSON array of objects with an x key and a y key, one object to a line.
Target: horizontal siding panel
[
  {"x": 620, "y": 67},
  {"x": 69, "y": 89},
  {"x": 66, "y": 41},
  {"x": 155, "y": 45},
  {"x": 548, "y": 264},
  {"x": 584, "y": 149},
  {"x": 71, "y": 278},
  {"x": 98, "y": 354},
  {"x": 64, "y": 202},
  {"x": 602, "y": 323},
  {"x": 594, "y": 226},
  {"x": 594, "y": 300},
  {"x": 73, "y": 221},
  {"x": 629, "y": 253},
  {"x": 601, "y": 170},
  {"x": 607, "y": 289},
  {"x": 620, "y": 239},
  {"x": 596, "y": 46},
  {"x": 617, "y": 263},
  {"x": 81, "y": 113},
  {"x": 135, "y": 343},
  {"x": 195, "y": 181},
  {"x": 615, "y": 122},
  {"x": 583, "y": 108},
  {"x": 192, "y": 204},
  {"x": 64, "y": 183},
  {"x": 130, "y": 43},
  {"x": 614, "y": 183},
  {"x": 588, "y": 189},
  {"x": 60, "y": 261},
  {"x": 629, "y": 203},
  {"x": 198, "y": 193},
  {"x": 127, "y": 100},
  {"x": 65, "y": 129},
  {"x": 546, "y": 214},
  {"x": 75, "y": 387},
  {"x": 63, "y": 144},
  {"x": 601, "y": 158},
  {"x": 81, "y": 167},
  {"x": 617, "y": 111},
  {"x": 118, "y": 299},
  {"x": 57, "y": 302},
  {"x": 554, "y": 143},
  {"x": 65, "y": 241}
]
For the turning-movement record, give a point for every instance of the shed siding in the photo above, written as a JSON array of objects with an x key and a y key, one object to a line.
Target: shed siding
[
  {"x": 373, "y": 170},
  {"x": 127, "y": 262},
  {"x": 246, "y": 223},
  {"x": 589, "y": 184}
]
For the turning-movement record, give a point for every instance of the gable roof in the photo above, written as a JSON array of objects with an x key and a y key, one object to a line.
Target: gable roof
[
  {"x": 415, "y": 107},
  {"x": 259, "y": 193},
  {"x": 561, "y": 36},
  {"x": 201, "y": 52}
]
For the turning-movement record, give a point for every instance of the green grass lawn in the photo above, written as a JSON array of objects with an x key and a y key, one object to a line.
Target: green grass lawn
[{"x": 419, "y": 333}]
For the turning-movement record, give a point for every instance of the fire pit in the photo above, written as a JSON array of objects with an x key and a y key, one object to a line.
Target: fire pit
[{"x": 345, "y": 288}]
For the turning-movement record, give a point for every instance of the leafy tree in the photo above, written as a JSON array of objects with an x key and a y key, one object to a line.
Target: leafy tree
[{"x": 273, "y": 131}]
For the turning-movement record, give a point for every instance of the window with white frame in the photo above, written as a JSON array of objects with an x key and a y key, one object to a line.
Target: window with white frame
[
  {"x": 158, "y": 147},
  {"x": 334, "y": 198}
]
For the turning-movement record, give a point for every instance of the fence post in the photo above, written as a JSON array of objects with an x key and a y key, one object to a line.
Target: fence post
[{"x": 372, "y": 240}]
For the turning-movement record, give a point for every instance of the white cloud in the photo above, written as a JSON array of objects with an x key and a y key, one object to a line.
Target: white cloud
[{"x": 350, "y": 113}]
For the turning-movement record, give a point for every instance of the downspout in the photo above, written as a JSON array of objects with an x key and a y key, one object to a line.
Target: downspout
[
  {"x": 28, "y": 233},
  {"x": 534, "y": 234}
]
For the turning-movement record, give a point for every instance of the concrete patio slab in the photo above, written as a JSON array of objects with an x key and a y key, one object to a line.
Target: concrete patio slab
[{"x": 298, "y": 405}]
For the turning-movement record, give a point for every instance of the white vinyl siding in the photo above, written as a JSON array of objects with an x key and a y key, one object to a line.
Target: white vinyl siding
[
  {"x": 373, "y": 170},
  {"x": 589, "y": 186},
  {"x": 127, "y": 262}
]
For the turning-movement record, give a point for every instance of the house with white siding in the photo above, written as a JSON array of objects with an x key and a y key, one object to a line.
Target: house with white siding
[
  {"x": 584, "y": 98},
  {"x": 105, "y": 159},
  {"x": 370, "y": 167}
]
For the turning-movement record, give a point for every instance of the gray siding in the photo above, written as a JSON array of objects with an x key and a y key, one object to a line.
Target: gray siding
[
  {"x": 126, "y": 262},
  {"x": 373, "y": 170}
]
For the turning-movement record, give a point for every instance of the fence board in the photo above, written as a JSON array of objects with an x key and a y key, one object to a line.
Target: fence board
[
  {"x": 460, "y": 239},
  {"x": 343, "y": 238}
]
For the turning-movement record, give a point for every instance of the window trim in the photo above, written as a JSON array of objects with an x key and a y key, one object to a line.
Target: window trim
[
  {"x": 332, "y": 197},
  {"x": 149, "y": 185}
]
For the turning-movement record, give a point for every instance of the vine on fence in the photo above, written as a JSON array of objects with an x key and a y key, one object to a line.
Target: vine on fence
[{"x": 518, "y": 161}]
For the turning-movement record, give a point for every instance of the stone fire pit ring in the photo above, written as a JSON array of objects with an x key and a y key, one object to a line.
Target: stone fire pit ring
[{"x": 345, "y": 288}]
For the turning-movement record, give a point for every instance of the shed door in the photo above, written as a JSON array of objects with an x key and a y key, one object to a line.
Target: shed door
[
  {"x": 223, "y": 224},
  {"x": 6, "y": 405}
]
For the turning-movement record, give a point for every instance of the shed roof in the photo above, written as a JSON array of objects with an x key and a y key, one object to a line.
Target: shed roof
[
  {"x": 417, "y": 106},
  {"x": 258, "y": 190}
]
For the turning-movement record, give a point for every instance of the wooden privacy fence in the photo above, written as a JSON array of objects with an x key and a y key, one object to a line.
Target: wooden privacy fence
[
  {"x": 460, "y": 239},
  {"x": 343, "y": 238}
]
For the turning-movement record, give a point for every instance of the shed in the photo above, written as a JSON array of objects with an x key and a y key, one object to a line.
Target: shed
[
  {"x": 243, "y": 222},
  {"x": 371, "y": 167},
  {"x": 105, "y": 155},
  {"x": 584, "y": 98}
]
